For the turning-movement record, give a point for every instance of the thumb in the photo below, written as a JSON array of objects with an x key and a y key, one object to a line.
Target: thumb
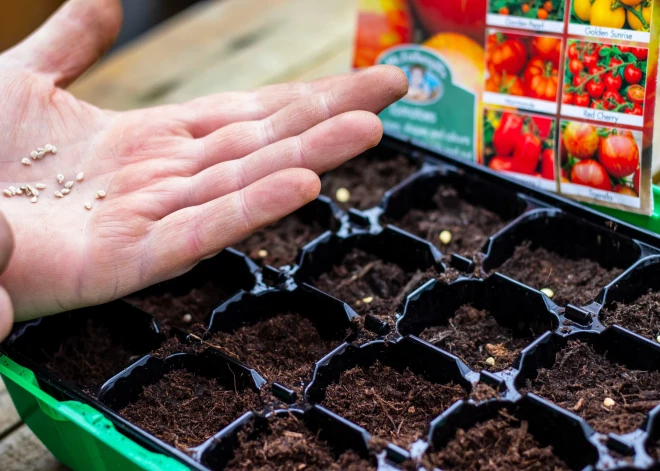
[{"x": 6, "y": 248}]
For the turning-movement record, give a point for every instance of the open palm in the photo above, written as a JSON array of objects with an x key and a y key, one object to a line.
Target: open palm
[{"x": 182, "y": 181}]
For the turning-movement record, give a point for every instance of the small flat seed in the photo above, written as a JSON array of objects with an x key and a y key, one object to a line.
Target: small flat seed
[
  {"x": 34, "y": 154},
  {"x": 100, "y": 194},
  {"x": 19, "y": 191},
  {"x": 262, "y": 253},
  {"x": 26, "y": 161},
  {"x": 490, "y": 361},
  {"x": 41, "y": 149},
  {"x": 29, "y": 190},
  {"x": 60, "y": 178},
  {"x": 187, "y": 318},
  {"x": 23, "y": 187},
  {"x": 343, "y": 195},
  {"x": 658, "y": 338},
  {"x": 88, "y": 206},
  {"x": 609, "y": 402},
  {"x": 35, "y": 192},
  {"x": 34, "y": 199},
  {"x": 65, "y": 191},
  {"x": 445, "y": 237},
  {"x": 40, "y": 186},
  {"x": 58, "y": 194},
  {"x": 368, "y": 299},
  {"x": 12, "y": 189},
  {"x": 68, "y": 185},
  {"x": 54, "y": 150},
  {"x": 548, "y": 292},
  {"x": 80, "y": 176},
  {"x": 7, "y": 193},
  {"x": 40, "y": 155},
  {"x": 48, "y": 148}
]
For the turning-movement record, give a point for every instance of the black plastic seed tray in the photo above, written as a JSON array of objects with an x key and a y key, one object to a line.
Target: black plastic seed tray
[{"x": 379, "y": 287}]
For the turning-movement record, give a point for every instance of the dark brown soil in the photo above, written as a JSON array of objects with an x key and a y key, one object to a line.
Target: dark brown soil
[
  {"x": 173, "y": 345},
  {"x": 90, "y": 357},
  {"x": 289, "y": 445},
  {"x": 654, "y": 450},
  {"x": 281, "y": 241},
  {"x": 474, "y": 336},
  {"x": 184, "y": 409},
  {"x": 367, "y": 180},
  {"x": 391, "y": 405},
  {"x": 171, "y": 309},
  {"x": 581, "y": 379},
  {"x": 574, "y": 281},
  {"x": 283, "y": 348},
  {"x": 641, "y": 316},
  {"x": 499, "y": 444},
  {"x": 470, "y": 226},
  {"x": 370, "y": 285}
]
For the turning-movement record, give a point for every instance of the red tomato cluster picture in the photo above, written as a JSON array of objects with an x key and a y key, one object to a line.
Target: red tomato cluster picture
[
  {"x": 519, "y": 143},
  {"x": 521, "y": 65},
  {"x": 605, "y": 77},
  {"x": 601, "y": 158}
]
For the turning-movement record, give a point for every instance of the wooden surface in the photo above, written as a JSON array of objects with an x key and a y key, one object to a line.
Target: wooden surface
[{"x": 215, "y": 46}]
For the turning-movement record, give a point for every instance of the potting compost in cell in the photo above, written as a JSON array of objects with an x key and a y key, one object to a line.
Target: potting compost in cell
[{"x": 435, "y": 307}]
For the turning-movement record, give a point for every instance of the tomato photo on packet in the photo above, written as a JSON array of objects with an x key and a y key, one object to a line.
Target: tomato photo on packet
[
  {"x": 523, "y": 65},
  {"x": 601, "y": 158},
  {"x": 552, "y": 10},
  {"x": 605, "y": 77},
  {"x": 632, "y": 15},
  {"x": 519, "y": 143}
]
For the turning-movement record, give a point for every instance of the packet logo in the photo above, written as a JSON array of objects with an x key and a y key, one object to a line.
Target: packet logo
[{"x": 425, "y": 87}]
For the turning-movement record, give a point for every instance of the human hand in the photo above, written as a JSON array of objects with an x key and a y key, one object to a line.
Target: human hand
[
  {"x": 183, "y": 181},
  {"x": 6, "y": 248}
]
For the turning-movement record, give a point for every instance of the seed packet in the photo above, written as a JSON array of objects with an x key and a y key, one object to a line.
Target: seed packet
[{"x": 560, "y": 94}]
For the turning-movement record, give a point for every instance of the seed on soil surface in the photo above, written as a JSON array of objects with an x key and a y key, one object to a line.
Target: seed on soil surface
[
  {"x": 34, "y": 199},
  {"x": 187, "y": 318},
  {"x": 548, "y": 292},
  {"x": 80, "y": 176},
  {"x": 445, "y": 237},
  {"x": 609, "y": 402},
  {"x": 65, "y": 191},
  {"x": 368, "y": 299},
  {"x": 262, "y": 253},
  {"x": 60, "y": 178},
  {"x": 490, "y": 361},
  {"x": 88, "y": 206},
  {"x": 658, "y": 338},
  {"x": 100, "y": 194},
  {"x": 34, "y": 154},
  {"x": 26, "y": 161},
  {"x": 68, "y": 185},
  {"x": 58, "y": 194},
  {"x": 7, "y": 193},
  {"x": 343, "y": 195},
  {"x": 40, "y": 186}
]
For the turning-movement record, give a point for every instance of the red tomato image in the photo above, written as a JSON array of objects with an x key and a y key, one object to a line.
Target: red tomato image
[
  {"x": 526, "y": 153},
  {"x": 548, "y": 164},
  {"x": 378, "y": 32},
  {"x": 581, "y": 140},
  {"x": 625, "y": 190},
  {"x": 591, "y": 173},
  {"x": 506, "y": 135},
  {"x": 453, "y": 16},
  {"x": 619, "y": 155},
  {"x": 501, "y": 164}
]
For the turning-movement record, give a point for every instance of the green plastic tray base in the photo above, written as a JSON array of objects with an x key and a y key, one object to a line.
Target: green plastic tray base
[{"x": 78, "y": 435}]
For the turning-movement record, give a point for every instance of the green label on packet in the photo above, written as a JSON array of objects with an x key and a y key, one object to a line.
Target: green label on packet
[{"x": 435, "y": 111}]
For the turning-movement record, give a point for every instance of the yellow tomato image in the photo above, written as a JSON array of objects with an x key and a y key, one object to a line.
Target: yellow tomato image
[
  {"x": 603, "y": 15},
  {"x": 582, "y": 9},
  {"x": 635, "y": 22}
]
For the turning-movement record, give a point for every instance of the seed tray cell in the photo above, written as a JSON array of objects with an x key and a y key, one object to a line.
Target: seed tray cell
[{"x": 368, "y": 310}]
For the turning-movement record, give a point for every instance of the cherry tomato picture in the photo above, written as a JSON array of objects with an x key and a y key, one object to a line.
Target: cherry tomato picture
[
  {"x": 632, "y": 74},
  {"x": 619, "y": 155}
]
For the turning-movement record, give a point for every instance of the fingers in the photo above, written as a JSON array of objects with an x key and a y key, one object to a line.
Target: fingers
[
  {"x": 187, "y": 236},
  {"x": 371, "y": 90},
  {"x": 213, "y": 112},
  {"x": 319, "y": 149},
  {"x": 6, "y": 314},
  {"x": 71, "y": 40},
  {"x": 6, "y": 243}
]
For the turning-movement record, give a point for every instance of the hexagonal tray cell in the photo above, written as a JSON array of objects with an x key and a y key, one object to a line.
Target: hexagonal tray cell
[
  {"x": 609, "y": 379},
  {"x": 313, "y": 440},
  {"x": 372, "y": 273},
  {"x": 486, "y": 324},
  {"x": 633, "y": 302},
  {"x": 506, "y": 436},
  {"x": 187, "y": 301},
  {"x": 89, "y": 346},
  {"x": 466, "y": 211},
  {"x": 184, "y": 399},
  {"x": 573, "y": 258},
  {"x": 393, "y": 390},
  {"x": 281, "y": 334},
  {"x": 365, "y": 179},
  {"x": 280, "y": 244}
]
